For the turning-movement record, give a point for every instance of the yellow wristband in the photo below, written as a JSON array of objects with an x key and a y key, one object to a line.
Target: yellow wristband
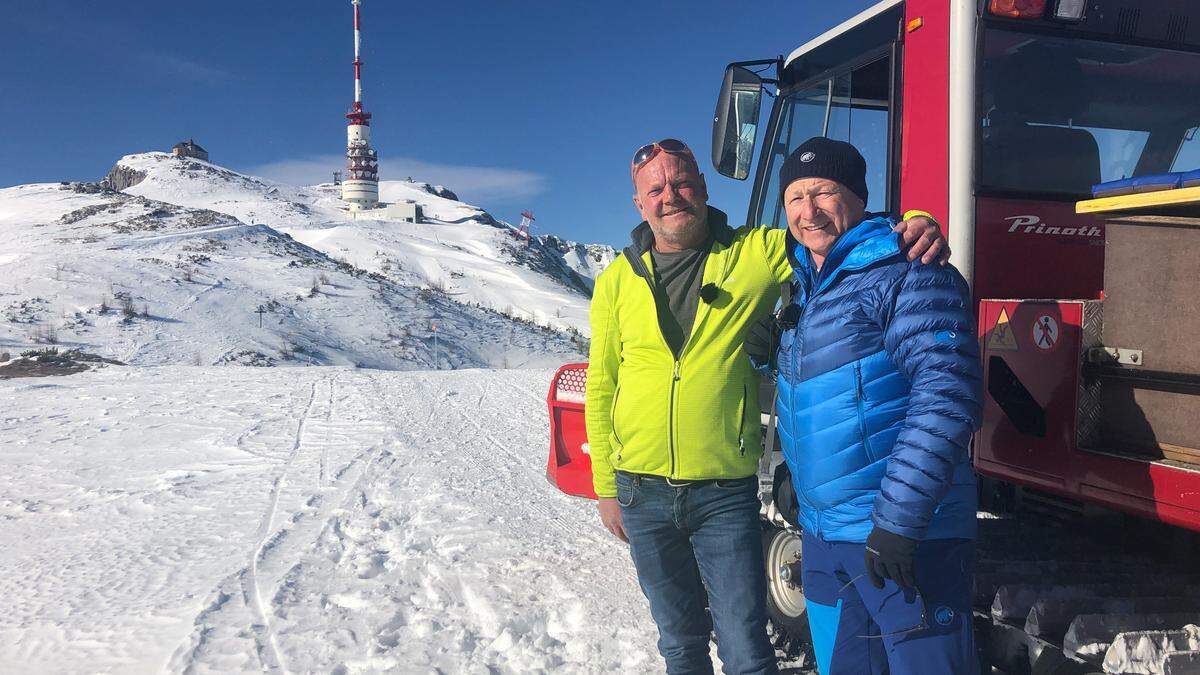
[{"x": 913, "y": 213}]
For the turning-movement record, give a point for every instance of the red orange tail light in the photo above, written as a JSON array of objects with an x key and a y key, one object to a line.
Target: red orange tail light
[{"x": 1018, "y": 9}]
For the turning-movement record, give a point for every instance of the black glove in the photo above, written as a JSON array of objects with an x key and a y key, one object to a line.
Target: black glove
[{"x": 890, "y": 556}]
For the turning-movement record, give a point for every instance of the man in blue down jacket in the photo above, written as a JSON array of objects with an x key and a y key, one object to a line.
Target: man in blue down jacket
[{"x": 878, "y": 395}]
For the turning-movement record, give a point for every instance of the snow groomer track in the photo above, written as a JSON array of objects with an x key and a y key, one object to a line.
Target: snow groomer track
[{"x": 1118, "y": 595}]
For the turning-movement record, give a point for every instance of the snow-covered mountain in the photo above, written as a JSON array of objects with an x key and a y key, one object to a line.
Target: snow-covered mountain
[
  {"x": 183, "y": 264},
  {"x": 458, "y": 247}
]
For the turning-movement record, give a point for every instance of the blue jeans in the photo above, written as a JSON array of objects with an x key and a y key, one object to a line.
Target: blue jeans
[
  {"x": 928, "y": 631},
  {"x": 689, "y": 539}
]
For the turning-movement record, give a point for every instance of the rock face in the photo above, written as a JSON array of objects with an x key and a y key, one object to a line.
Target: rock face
[
  {"x": 586, "y": 260},
  {"x": 121, "y": 177},
  {"x": 442, "y": 191},
  {"x": 573, "y": 264}
]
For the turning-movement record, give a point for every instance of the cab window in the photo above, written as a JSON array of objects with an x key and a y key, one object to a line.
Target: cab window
[
  {"x": 853, "y": 106},
  {"x": 1059, "y": 115},
  {"x": 1188, "y": 156}
]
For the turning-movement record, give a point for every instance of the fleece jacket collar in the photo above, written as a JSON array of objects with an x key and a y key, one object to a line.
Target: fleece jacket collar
[{"x": 643, "y": 238}]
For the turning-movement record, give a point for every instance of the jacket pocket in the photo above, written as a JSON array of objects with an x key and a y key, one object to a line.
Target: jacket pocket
[
  {"x": 612, "y": 420},
  {"x": 860, "y": 400},
  {"x": 741, "y": 430}
]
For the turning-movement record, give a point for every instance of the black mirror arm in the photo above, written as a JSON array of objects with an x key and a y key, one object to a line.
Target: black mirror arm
[{"x": 777, "y": 62}]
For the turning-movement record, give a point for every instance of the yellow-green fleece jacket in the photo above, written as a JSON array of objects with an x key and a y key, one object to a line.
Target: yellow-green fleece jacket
[{"x": 695, "y": 417}]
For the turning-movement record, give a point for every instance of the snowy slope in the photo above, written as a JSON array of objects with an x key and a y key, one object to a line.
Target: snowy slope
[
  {"x": 459, "y": 248},
  {"x": 147, "y": 282},
  {"x": 308, "y": 520}
]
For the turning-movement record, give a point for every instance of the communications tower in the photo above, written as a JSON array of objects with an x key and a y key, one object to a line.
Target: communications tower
[
  {"x": 526, "y": 223},
  {"x": 360, "y": 189}
]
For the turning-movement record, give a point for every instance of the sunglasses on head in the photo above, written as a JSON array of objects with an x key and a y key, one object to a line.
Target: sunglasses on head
[{"x": 650, "y": 151}]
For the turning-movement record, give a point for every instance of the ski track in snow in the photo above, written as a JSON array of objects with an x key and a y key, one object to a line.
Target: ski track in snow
[
  {"x": 189, "y": 234},
  {"x": 267, "y": 649},
  {"x": 204, "y": 520}
]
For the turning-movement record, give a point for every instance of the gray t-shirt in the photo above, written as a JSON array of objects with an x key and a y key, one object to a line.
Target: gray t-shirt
[{"x": 679, "y": 276}]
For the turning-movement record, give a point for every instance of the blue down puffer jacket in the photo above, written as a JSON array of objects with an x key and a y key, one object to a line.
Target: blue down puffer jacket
[{"x": 879, "y": 391}]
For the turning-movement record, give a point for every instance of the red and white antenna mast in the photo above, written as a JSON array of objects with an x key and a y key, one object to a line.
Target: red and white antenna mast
[
  {"x": 526, "y": 223},
  {"x": 357, "y": 110},
  {"x": 361, "y": 187}
]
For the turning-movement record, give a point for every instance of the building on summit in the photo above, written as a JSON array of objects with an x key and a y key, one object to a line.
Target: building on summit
[{"x": 189, "y": 148}]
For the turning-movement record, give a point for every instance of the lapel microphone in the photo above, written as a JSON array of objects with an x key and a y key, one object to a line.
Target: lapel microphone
[{"x": 709, "y": 292}]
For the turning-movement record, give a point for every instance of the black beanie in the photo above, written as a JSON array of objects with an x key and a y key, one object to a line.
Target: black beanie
[{"x": 821, "y": 157}]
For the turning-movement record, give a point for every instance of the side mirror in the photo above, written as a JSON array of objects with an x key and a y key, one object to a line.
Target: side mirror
[{"x": 735, "y": 124}]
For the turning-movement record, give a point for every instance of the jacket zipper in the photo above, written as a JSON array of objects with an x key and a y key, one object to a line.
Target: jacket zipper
[
  {"x": 818, "y": 286},
  {"x": 675, "y": 371},
  {"x": 671, "y": 450},
  {"x": 797, "y": 347},
  {"x": 671, "y": 418},
  {"x": 859, "y": 399}
]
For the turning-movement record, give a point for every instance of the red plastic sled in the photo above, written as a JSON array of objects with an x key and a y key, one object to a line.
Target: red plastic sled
[{"x": 570, "y": 465}]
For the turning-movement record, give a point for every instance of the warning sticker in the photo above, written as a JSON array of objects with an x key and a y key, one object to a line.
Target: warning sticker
[
  {"x": 1045, "y": 332},
  {"x": 1002, "y": 338}
]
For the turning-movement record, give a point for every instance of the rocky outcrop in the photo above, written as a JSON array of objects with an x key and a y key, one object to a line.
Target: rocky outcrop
[
  {"x": 552, "y": 256},
  {"x": 121, "y": 177},
  {"x": 439, "y": 191}
]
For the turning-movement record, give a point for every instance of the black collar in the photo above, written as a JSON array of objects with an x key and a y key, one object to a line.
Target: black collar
[
  {"x": 718, "y": 224},
  {"x": 643, "y": 239}
]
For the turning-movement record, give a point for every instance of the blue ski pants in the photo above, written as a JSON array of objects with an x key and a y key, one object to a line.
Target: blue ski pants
[{"x": 859, "y": 629}]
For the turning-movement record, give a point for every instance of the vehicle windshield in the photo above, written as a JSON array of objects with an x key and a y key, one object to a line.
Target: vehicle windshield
[
  {"x": 1060, "y": 115},
  {"x": 852, "y": 106}
]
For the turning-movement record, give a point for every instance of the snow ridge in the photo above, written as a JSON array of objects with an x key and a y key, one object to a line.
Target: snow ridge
[
  {"x": 197, "y": 264},
  {"x": 458, "y": 246}
]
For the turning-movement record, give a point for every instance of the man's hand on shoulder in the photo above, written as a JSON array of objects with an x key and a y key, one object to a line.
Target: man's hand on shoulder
[
  {"x": 921, "y": 236},
  {"x": 610, "y": 515}
]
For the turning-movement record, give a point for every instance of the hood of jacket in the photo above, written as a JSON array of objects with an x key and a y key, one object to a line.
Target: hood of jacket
[{"x": 861, "y": 246}]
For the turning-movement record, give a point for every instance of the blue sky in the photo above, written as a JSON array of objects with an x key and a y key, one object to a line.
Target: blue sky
[{"x": 534, "y": 105}]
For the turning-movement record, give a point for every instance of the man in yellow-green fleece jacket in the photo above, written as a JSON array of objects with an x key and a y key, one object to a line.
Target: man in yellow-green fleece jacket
[{"x": 672, "y": 408}]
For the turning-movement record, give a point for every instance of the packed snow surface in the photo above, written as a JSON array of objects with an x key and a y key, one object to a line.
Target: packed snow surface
[{"x": 327, "y": 519}]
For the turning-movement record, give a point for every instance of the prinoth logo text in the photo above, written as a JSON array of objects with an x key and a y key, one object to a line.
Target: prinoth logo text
[{"x": 1034, "y": 225}]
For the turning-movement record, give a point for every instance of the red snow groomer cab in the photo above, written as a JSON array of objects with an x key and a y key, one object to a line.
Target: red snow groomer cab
[{"x": 1056, "y": 142}]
